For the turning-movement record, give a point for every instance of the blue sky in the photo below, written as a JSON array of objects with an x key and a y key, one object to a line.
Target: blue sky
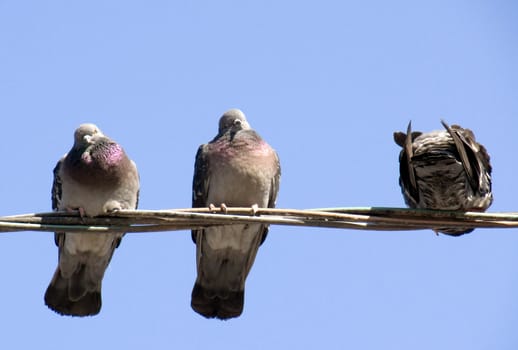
[{"x": 325, "y": 83}]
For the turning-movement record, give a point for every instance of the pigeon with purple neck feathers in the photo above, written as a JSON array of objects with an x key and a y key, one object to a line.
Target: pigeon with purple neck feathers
[
  {"x": 444, "y": 170},
  {"x": 237, "y": 168},
  {"x": 95, "y": 177}
]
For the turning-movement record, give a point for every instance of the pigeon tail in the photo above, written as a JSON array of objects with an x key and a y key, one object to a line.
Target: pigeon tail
[
  {"x": 71, "y": 296},
  {"x": 217, "y": 304},
  {"x": 455, "y": 232}
]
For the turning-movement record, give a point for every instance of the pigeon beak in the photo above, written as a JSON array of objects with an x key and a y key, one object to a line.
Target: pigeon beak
[
  {"x": 87, "y": 139},
  {"x": 237, "y": 122}
]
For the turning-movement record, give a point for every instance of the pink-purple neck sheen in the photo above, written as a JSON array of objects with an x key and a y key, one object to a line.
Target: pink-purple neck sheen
[
  {"x": 113, "y": 154},
  {"x": 108, "y": 155},
  {"x": 239, "y": 146}
]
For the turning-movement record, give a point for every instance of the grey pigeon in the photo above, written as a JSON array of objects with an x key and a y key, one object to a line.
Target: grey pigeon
[
  {"x": 444, "y": 170},
  {"x": 237, "y": 168},
  {"x": 95, "y": 177}
]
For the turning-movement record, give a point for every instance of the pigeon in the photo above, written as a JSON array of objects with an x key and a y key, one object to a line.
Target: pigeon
[
  {"x": 95, "y": 177},
  {"x": 237, "y": 168},
  {"x": 444, "y": 170}
]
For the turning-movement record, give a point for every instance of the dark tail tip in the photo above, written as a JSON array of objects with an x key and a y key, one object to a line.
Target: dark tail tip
[
  {"x": 217, "y": 304},
  {"x": 455, "y": 231},
  {"x": 57, "y": 298}
]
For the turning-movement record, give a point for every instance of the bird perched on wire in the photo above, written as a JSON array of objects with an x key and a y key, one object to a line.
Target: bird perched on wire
[
  {"x": 237, "y": 168},
  {"x": 444, "y": 170},
  {"x": 95, "y": 177}
]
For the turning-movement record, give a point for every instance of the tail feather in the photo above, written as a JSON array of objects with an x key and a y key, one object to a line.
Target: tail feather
[
  {"x": 454, "y": 231},
  {"x": 69, "y": 296},
  {"x": 214, "y": 304},
  {"x": 224, "y": 257}
]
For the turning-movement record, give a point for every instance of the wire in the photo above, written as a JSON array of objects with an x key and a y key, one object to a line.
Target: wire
[{"x": 355, "y": 218}]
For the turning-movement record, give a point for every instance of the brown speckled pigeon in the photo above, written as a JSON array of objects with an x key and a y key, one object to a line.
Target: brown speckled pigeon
[
  {"x": 444, "y": 170},
  {"x": 237, "y": 168},
  {"x": 95, "y": 177}
]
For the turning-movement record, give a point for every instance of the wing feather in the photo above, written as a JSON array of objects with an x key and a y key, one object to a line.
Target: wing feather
[{"x": 200, "y": 182}]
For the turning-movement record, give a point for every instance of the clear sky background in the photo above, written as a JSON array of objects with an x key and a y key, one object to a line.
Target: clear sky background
[{"x": 325, "y": 83}]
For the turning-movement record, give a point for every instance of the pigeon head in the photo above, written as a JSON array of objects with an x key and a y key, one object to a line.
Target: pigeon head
[
  {"x": 233, "y": 120},
  {"x": 94, "y": 156},
  {"x": 84, "y": 134}
]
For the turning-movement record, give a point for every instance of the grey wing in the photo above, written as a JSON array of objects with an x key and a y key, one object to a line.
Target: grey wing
[
  {"x": 483, "y": 158},
  {"x": 407, "y": 179},
  {"x": 274, "y": 190},
  {"x": 57, "y": 193},
  {"x": 138, "y": 197},
  {"x": 138, "y": 190},
  {"x": 473, "y": 156},
  {"x": 57, "y": 190},
  {"x": 200, "y": 182}
]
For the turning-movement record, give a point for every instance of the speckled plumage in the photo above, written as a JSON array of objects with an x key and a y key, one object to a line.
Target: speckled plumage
[
  {"x": 237, "y": 168},
  {"x": 444, "y": 170},
  {"x": 95, "y": 177}
]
